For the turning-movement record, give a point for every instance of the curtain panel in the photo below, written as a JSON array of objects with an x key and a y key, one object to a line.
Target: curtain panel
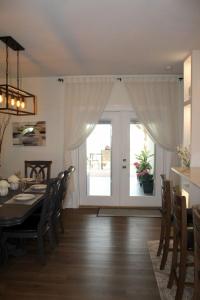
[
  {"x": 156, "y": 101},
  {"x": 85, "y": 101},
  {"x": 158, "y": 104}
]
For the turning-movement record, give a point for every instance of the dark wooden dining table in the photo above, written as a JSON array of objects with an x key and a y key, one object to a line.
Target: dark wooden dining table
[
  {"x": 15, "y": 214},
  {"x": 12, "y": 214}
]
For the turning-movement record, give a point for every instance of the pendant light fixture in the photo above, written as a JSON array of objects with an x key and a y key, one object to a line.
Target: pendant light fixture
[{"x": 13, "y": 100}]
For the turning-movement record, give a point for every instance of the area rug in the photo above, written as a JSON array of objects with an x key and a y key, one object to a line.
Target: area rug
[
  {"x": 162, "y": 276},
  {"x": 128, "y": 212}
]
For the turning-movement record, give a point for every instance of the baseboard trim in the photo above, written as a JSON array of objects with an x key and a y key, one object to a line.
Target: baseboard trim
[{"x": 105, "y": 206}]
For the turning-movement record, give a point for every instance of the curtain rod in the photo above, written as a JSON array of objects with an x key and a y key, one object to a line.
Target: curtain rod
[{"x": 118, "y": 78}]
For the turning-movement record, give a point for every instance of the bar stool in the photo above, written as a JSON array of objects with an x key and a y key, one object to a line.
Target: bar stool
[
  {"x": 196, "y": 221},
  {"x": 166, "y": 222},
  {"x": 183, "y": 245}
]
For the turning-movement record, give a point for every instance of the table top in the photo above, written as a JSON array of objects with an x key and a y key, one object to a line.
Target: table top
[
  {"x": 191, "y": 174},
  {"x": 15, "y": 214}
]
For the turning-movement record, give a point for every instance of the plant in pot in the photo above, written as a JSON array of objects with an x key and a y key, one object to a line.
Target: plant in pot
[{"x": 143, "y": 171}]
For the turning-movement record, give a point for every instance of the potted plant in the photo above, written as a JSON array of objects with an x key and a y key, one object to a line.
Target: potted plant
[
  {"x": 143, "y": 171},
  {"x": 184, "y": 155}
]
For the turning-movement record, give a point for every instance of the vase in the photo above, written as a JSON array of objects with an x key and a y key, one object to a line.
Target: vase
[{"x": 14, "y": 185}]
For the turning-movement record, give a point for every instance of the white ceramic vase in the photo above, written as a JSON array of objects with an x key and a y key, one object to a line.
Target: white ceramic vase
[{"x": 14, "y": 185}]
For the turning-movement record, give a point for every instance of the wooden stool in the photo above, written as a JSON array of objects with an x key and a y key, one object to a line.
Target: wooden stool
[
  {"x": 196, "y": 221},
  {"x": 182, "y": 246},
  {"x": 166, "y": 222}
]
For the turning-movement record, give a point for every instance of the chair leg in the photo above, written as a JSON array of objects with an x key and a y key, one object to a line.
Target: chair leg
[
  {"x": 173, "y": 263},
  {"x": 41, "y": 250},
  {"x": 165, "y": 247},
  {"x": 61, "y": 224},
  {"x": 55, "y": 230},
  {"x": 162, "y": 234},
  {"x": 181, "y": 276},
  {"x": 51, "y": 237},
  {"x": 3, "y": 252}
]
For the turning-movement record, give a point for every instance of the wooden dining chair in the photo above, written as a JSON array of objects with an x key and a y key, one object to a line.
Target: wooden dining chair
[
  {"x": 64, "y": 179},
  {"x": 183, "y": 246},
  {"x": 196, "y": 222},
  {"x": 36, "y": 227},
  {"x": 166, "y": 221},
  {"x": 38, "y": 169}
]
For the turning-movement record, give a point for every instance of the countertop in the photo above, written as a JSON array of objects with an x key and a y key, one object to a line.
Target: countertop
[{"x": 191, "y": 174}]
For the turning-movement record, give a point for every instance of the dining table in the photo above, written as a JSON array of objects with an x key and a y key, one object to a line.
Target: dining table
[{"x": 14, "y": 211}]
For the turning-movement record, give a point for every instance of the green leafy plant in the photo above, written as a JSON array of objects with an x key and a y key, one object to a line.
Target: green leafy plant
[{"x": 143, "y": 165}]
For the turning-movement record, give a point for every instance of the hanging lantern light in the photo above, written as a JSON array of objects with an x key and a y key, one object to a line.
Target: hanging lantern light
[{"x": 13, "y": 100}]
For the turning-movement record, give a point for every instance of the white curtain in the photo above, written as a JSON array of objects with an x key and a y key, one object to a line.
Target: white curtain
[
  {"x": 157, "y": 103},
  {"x": 85, "y": 101}
]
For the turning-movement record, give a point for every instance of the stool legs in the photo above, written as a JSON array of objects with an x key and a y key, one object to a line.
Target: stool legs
[
  {"x": 173, "y": 264},
  {"x": 162, "y": 235},
  {"x": 165, "y": 246}
]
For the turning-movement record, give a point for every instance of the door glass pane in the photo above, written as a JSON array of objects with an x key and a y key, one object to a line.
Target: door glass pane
[
  {"x": 98, "y": 147},
  {"x": 141, "y": 168}
]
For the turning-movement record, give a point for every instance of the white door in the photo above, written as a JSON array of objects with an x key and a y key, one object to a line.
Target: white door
[{"x": 107, "y": 175}]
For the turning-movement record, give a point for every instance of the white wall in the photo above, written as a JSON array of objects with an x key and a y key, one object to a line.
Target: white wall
[{"x": 49, "y": 94}]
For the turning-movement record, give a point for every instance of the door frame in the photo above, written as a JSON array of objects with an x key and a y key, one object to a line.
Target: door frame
[{"x": 120, "y": 177}]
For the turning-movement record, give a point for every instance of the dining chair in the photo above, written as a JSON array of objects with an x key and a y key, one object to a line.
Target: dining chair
[
  {"x": 63, "y": 183},
  {"x": 196, "y": 221},
  {"x": 183, "y": 246},
  {"x": 36, "y": 227},
  {"x": 38, "y": 169},
  {"x": 166, "y": 221}
]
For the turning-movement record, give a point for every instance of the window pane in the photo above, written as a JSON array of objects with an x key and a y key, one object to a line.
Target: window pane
[
  {"x": 98, "y": 147},
  {"x": 139, "y": 141}
]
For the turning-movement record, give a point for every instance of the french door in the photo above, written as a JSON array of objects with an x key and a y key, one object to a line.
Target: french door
[{"x": 107, "y": 175}]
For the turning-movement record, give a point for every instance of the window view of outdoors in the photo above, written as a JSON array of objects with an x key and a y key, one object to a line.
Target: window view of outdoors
[
  {"x": 142, "y": 157},
  {"x": 98, "y": 147}
]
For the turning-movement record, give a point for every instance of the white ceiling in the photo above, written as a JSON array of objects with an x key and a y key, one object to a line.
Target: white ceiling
[{"x": 89, "y": 37}]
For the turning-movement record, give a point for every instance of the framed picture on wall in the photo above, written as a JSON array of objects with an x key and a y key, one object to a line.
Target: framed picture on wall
[{"x": 29, "y": 133}]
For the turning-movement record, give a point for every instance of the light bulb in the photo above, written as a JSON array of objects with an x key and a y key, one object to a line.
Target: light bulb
[
  {"x": 1, "y": 97},
  {"x": 12, "y": 101},
  {"x": 23, "y": 104},
  {"x": 18, "y": 103}
]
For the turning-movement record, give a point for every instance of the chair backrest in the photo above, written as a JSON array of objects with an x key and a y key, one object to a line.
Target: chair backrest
[
  {"x": 180, "y": 220},
  {"x": 38, "y": 169},
  {"x": 196, "y": 224},
  {"x": 63, "y": 178},
  {"x": 166, "y": 197},
  {"x": 48, "y": 205},
  {"x": 68, "y": 174}
]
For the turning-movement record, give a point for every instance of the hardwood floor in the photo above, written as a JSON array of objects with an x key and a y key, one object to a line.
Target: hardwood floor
[{"x": 98, "y": 258}]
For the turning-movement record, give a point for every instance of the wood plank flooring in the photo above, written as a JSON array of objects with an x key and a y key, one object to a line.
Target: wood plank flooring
[{"x": 98, "y": 258}]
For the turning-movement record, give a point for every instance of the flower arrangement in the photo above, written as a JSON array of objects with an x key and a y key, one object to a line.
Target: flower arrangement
[
  {"x": 143, "y": 166},
  {"x": 184, "y": 155}
]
